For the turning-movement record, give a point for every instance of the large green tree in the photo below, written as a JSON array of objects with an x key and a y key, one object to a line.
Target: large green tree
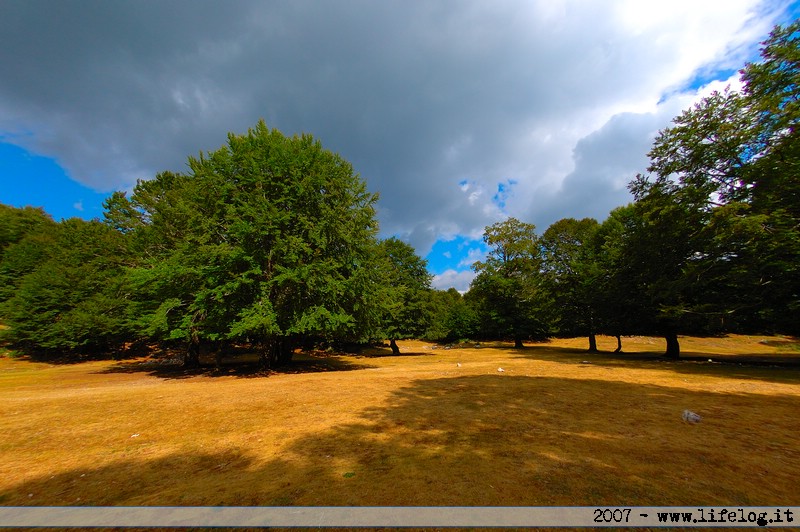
[
  {"x": 509, "y": 283},
  {"x": 570, "y": 274},
  {"x": 266, "y": 239},
  {"x": 618, "y": 301},
  {"x": 731, "y": 163},
  {"x": 646, "y": 257},
  {"x": 405, "y": 292}
]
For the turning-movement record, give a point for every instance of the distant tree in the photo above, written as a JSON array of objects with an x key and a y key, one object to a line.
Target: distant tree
[
  {"x": 406, "y": 297},
  {"x": 454, "y": 317},
  {"x": 618, "y": 305},
  {"x": 267, "y": 239},
  {"x": 462, "y": 320},
  {"x": 16, "y": 223},
  {"x": 26, "y": 239},
  {"x": 570, "y": 274},
  {"x": 440, "y": 303},
  {"x": 509, "y": 283},
  {"x": 649, "y": 254},
  {"x": 74, "y": 297}
]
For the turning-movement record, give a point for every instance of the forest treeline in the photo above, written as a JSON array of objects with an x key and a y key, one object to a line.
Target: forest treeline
[{"x": 271, "y": 241}]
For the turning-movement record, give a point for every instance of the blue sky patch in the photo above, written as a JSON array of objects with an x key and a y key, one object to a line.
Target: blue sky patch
[
  {"x": 30, "y": 179},
  {"x": 457, "y": 254}
]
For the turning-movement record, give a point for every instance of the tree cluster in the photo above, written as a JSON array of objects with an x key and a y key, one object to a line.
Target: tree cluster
[
  {"x": 710, "y": 245},
  {"x": 268, "y": 241},
  {"x": 271, "y": 241}
]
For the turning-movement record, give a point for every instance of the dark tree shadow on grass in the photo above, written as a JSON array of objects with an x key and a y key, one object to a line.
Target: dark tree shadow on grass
[
  {"x": 481, "y": 441},
  {"x": 749, "y": 366},
  {"x": 243, "y": 365},
  {"x": 79, "y": 357},
  {"x": 380, "y": 352}
]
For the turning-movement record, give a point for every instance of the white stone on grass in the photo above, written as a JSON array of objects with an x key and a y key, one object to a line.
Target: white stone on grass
[{"x": 691, "y": 417}]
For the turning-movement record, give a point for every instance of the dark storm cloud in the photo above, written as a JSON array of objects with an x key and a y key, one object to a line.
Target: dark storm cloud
[
  {"x": 605, "y": 162},
  {"x": 419, "y": 96}
]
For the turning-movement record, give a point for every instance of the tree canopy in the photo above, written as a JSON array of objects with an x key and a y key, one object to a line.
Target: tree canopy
[
  {"x": 406, "y": 291},
  {"x": 570, "y": 274},
  {"x": 728, "y": 168},
  {"x": 272, "y": 240},
  {"x": 68, "y": 292},
  {"x": 265, "y": 239},
  {"x": 509, "y": 284}
]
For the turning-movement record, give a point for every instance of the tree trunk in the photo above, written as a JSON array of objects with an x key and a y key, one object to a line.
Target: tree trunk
[
  {"x": 265, "y": 354},
  {"x": 592, "y": 333},
  {"x": 518, "y": 343},
  {"x": 263, "y": 359},
  {"x": 393, "y": 345},
  {"x": 191, "y": 359},
  {"x": 673, "y": 347},
  {"x": 285, "y": 351},
  {"x": 619, "y": 344},
  {"x": 592, "y": 343}
]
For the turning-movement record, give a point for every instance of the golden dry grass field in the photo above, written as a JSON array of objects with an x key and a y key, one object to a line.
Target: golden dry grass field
[{"x": 440, "y": 426}]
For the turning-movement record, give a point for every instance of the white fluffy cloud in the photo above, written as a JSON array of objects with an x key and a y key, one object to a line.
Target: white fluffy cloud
[
  {"x": 437, "y": 104},
  {"x": 460, "y": 280}
]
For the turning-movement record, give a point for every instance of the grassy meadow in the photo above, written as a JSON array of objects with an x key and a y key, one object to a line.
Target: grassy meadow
[{"x": 557, "y": 426}]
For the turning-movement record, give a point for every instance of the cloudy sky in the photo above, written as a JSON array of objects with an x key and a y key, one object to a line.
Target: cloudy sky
[{"x": 459, "y": 113}]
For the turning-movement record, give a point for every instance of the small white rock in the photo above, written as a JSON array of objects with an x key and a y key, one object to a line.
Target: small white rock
[
  {"x": 691, "y": 417},
  {"x": 135, "y": 435},
  {"x": 458, "y": 364},
  {"x": 500, "y": 370}
]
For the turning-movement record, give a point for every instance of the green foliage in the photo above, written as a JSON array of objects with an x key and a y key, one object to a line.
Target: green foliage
[
  {"x": 25, "y": 240},
  {"x": 772, "y": 88},
  {"x": 726, "y": 176},
  {"x": 268, "y": 237},
  {"x": 121, "y": 214},
  {"x": 619, "y": 305},
  {"x": 405, "y": 296},
  {"x": 570, "y": 275},
  {"x": 16, "y": 223},
  {"x": 453, "y": 317},
  {"x": 73, "y": 297},
  {"x": 655, "y": 251},
  {"x": 509, "y": 288}
]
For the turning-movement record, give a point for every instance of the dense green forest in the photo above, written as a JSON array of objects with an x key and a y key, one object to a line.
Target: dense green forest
[{"x": 272, "y": 242}]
